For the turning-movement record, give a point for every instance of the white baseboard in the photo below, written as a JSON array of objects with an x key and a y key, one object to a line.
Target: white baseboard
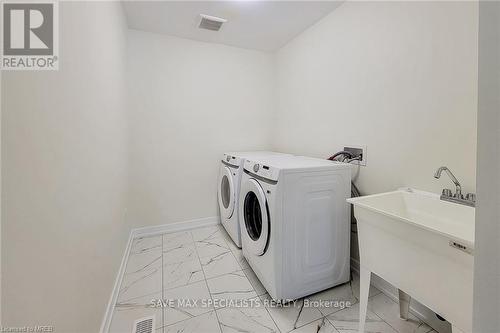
[
  {"x": 418, "y": 310},
  {"x": 143, "y": 232},
  {"x": 106, "y": 322},
  {"x": 174, "y": 227}
]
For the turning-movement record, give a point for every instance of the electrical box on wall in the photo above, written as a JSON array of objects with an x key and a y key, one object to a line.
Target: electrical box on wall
[{"x": 357, "y": 151}]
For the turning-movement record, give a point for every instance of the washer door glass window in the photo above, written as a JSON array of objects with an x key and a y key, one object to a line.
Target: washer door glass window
[
  {"x": 255, "y": 216},
  {"x": 226, "y": 193}
]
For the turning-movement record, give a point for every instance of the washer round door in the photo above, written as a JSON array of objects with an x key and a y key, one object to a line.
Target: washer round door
[
  {"x": 226, "y": 193},
  {"x": 255, "y": 217}
]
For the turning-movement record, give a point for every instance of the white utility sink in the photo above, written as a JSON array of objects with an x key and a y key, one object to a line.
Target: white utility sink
[{"x": 422, "y": 245}]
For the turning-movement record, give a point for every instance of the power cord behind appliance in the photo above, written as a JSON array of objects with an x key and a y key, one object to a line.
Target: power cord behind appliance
[{"x": 348, "y": 157}]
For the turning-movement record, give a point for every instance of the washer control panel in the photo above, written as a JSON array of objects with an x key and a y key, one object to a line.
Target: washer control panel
[{"x": 262, "y": 170}]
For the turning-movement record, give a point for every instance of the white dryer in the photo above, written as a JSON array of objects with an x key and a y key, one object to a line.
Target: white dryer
[
  {"x": 230, "y": 173},
  {"x": 295, "y": 223}
]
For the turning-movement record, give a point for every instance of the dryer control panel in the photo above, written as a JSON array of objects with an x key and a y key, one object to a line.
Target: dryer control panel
[
  {"x": 262, "y": 170},
  {"x": 231, "y": 160}
]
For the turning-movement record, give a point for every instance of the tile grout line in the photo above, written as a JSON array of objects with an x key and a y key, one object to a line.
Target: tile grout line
[
  {"x": 331, "y": 322},
  {"x": 334, "y": 327},
  {"x": 394, "y": 328},
  {"x": 162, "y": 273},
  {"x": 206, "y": 283},
  {"x": 326, "y": 316},
  {"x": 258, "y": 296},
  {"x": 135, "y": 242},
  {"x": 385, "y": 322},
  {"x": 307, "y": 323},
  {"x": 228, "y": 251},
  {"x": 234, "y": 256},
  {"x": 380, "y": 316},
  {"x": 198, "y": 258},
  {"x": 239, "y": 270},
  {"x": 243, "y": 270},
  {"x": 269, "y": 313},
  {"x": 237, "y": 260},
  {"x": 323, "y": 317},
  {"x": 381, "y": 319},
  {"x": 186, "y": 319}
]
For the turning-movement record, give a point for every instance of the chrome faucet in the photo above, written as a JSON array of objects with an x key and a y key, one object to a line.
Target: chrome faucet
[
  {"x": 458, "y": 187},
  {"x": 470, "y": 198}
]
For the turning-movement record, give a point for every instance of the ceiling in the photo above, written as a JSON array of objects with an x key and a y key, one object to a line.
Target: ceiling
[{"x": 259, "y": 25}]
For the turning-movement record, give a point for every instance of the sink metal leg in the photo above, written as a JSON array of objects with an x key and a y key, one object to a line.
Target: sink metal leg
[
  {"x": 404, "y": 304},
  {"x": 364, "y": 289}
]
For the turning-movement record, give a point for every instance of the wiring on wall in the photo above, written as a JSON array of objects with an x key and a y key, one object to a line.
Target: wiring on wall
[{"x": 348, "y": 157}]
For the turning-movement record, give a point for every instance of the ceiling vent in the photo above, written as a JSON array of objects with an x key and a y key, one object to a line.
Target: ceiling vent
[
  {"x": 144, "y": 325},
  {"x": 211, "y": 22}
]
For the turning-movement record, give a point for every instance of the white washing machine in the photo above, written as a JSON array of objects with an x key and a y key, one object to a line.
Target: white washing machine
[
  {"x": 230, "y": 173},
  {"x": 295, "y": 223}
]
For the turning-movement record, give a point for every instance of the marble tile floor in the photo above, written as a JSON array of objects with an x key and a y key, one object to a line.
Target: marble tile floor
[{"x": 198, "y": 281}]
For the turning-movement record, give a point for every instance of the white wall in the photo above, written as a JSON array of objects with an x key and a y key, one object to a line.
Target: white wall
[
  {"x": 64, "y": 161},
  {"x": 487, "y": 251},
  {"x": 399, "y": 77},
  {"x": 189, "y": 103}
]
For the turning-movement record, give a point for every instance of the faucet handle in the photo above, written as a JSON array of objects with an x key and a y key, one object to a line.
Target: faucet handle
[
  {"x": 446, "y": 193},
  {"x": 470, "y": 197}
]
